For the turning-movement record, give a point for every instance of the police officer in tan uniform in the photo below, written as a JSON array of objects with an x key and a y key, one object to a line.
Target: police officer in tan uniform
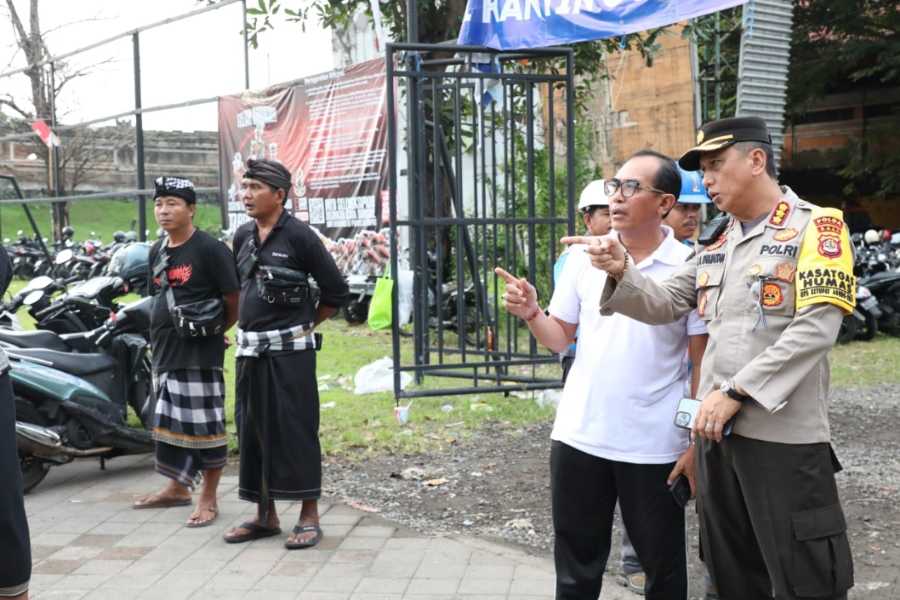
[{"x": 773, "y": 287}]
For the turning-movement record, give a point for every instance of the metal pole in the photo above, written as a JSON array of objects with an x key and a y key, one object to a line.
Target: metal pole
[
  {"x": 718, "y": 70},
  {"x": 139, "y": 140},
  {"x": 419, "y": 259},
  {"x": 246, "y": 45},
  {"x": 55, "y": 167}
]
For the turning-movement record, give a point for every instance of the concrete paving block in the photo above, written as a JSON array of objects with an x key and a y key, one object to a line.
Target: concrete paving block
[
  {"x": 102, "y": 567},
  {"x": 96, "y": 540},
  {"x": 484, "y": 586},
  {"x": 308, "y": 595},
  {"x": 368, "y": 596},
  {"x": 533, "y": 586},
  {"x": 409, "y": 544},
  {"x": 120, "y": 528},
  {"x": 61, "y": 595},
  {"x": 270, "y": 595},
  {"x": 477, "y": 570},
  {"x": 433, "y": 586},
  {"x": 379, "y": 531},
  {"x": 295, "y": 569},
  {"x": 282, "y": 583},
  {"x": 341, "y": 584},
  {"x": 382, "y": 585},
  {"x": 56, "y": 567},
  {"x": 129, "y": 585},
  {"x": 438, "y": 570},
  {"x": 124, "y": 553},
  {"x": 383, "y": 568},
  {"x": 81, "y": 582},
  {"x": 338, "y": 570},
  {"x": 362, "y": 543},
  {"x": 313, "y": 555},
  {"x": 54, "y": 538},
  {"x": 364, "y": 557}
]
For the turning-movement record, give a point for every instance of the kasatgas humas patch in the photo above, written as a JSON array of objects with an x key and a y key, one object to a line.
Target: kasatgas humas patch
[{"x": 825, "y": 265}]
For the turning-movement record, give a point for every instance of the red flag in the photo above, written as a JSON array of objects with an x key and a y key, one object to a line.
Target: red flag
[{"x": 46, "y": 134}]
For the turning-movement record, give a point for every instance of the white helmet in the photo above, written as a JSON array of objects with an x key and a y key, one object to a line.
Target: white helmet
[
  {"x": 593, "y": 195},
  {"x": 872, "y": 237}
]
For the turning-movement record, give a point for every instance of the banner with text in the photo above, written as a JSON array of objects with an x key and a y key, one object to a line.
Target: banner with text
[
  {"x": 330, "y": 131},
  {"x": 518, "y": 24}
]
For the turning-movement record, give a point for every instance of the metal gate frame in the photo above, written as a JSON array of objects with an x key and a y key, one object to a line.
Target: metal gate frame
[{"x": 501, "y": 228}]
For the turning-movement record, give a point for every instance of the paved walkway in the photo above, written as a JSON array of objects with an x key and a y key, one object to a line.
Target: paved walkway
[{"x": 88, "y": 543}]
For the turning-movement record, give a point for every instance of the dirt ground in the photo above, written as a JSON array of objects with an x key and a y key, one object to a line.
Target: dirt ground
[{"x": 496, "y": 485}]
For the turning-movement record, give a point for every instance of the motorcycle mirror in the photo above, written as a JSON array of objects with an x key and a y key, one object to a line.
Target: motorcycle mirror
[
  {"x": 64, "y": 256},
  {"x": 39, "y": 283},
  {"x": 33, "y": 297}
]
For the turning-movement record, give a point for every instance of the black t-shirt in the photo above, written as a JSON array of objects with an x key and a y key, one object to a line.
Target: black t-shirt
[
  {"x": 200, "y": 269},
  {"x": 291, "y": 244}
]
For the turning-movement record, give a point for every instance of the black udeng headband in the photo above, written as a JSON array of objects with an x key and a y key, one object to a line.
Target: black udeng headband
[
  {"x": 270, "y": 172},
  {"x": 175, "y": 186}
]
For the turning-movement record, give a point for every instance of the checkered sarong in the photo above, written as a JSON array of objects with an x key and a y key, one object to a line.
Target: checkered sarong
[
  {"x": 190, "y": 408},
  {"x": 254, "y": 343}
]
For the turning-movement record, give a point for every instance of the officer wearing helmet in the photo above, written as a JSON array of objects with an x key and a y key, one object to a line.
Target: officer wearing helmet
[{"x": 684, "y": 218}]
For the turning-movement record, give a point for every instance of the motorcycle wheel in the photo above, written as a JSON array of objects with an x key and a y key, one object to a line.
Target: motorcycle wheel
[
  {"x": 849, "y": 330},
  {"x": 868, "y": 331},
  {"x": 33, "y": 472}
]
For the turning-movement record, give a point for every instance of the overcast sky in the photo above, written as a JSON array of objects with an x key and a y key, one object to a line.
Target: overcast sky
[{"x": 198, "y": 57}]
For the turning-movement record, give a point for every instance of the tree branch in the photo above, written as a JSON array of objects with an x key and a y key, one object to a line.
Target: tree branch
[{"x": 12, "y": 104}]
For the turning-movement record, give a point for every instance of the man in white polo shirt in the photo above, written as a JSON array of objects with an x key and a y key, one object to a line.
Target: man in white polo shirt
[{"x": 614, "y": 437}]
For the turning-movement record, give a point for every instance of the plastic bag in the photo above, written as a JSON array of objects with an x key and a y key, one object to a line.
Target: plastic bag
[
  {"x": 378, "y": 376},
  {"x": 404, "y": 296},
  {"x": 380, "y": 305}
]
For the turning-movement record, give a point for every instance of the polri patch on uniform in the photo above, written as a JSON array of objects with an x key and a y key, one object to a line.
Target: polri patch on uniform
[
  {"x": 781, "y": 212},
  {"x": 786, "y": 234},
  {"x": 779, "y": 250},
  {"x": 771, "y": 295},
  {"x": 829, "y": 229},
  {"x": 785, "y": 271}
]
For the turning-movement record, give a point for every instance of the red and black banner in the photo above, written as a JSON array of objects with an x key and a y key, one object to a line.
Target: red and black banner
[{"x": 330, "y": 131}]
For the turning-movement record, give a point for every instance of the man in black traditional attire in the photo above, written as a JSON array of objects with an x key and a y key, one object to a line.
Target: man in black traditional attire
[{"x": 277, "y": 409}]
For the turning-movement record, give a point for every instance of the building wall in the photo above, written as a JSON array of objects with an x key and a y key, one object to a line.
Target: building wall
[
  {"x": 647, "y": 107},
  {"x": 187, "y": 154}
]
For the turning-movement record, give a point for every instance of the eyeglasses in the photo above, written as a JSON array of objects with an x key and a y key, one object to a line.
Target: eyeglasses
[{"x": 628, "y": 187}]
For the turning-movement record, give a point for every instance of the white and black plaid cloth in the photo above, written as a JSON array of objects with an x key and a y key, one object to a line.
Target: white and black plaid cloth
[
  {"x": 190, "y": 408},
  {"x": 254, "y": 343}
]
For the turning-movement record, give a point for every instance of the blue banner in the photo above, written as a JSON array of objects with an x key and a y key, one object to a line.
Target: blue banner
[{"x": 518, "y": 24}]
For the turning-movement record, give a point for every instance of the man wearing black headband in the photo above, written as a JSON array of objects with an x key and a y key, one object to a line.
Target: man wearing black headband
[
  {"x": 188, "y": 266},
  {"x": 277, "y": 408}
]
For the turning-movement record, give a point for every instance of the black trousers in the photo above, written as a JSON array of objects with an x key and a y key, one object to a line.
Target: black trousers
[
  {"x": 15, "y": 547},
  {"x": 585, "y": 489},
  {"x": 771, "y": 525}
]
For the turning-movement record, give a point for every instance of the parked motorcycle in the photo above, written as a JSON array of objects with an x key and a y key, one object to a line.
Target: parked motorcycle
[{"x": 72, "y": 406}]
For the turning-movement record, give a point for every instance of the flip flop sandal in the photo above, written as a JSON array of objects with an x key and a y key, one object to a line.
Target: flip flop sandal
[
  {"x": 204, "y": 522},
  {"x": 154, "y": 501},
  {"x": 255, "y": 531},
  {"x": 634, "y": 582},
  {"x": 299, "y": 529}
]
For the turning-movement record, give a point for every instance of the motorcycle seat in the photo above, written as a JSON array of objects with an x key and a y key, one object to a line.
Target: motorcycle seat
[
  {"x": 883, "y": 277},
  {"x": 40, "y": 339},
  {"x": 74, "y": 364}
]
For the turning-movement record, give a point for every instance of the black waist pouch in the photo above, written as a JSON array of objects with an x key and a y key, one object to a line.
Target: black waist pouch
[
  {"x": 282, "y": 286},
  {"x": 204, "y": 318}
]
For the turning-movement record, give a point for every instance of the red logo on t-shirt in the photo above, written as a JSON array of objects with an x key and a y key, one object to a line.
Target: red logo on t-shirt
[{"x": 179, "y": 275}]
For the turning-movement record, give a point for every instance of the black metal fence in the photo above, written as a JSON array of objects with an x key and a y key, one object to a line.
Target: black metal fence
[{"x": 489, "y": 155}]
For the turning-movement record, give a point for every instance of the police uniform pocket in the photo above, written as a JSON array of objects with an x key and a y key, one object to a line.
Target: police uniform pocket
[
  {"x": 709, "y": 285},
  {"x": 822, "y": 565},
  {"x": 774, "y": 291}
]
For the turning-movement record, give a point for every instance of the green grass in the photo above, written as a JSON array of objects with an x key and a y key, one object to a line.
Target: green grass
[
  {"x": 866, "y": 363},
  {"x": 100, "y": 216}
]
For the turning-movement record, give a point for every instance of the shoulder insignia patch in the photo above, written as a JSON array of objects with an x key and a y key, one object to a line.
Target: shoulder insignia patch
[
  {"x": 829, "y": 230},
  {"x": 780, "y": 214}
]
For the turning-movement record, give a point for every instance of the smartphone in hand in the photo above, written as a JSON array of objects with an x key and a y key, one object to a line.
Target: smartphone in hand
[
  {"x": 681, "y": 490},
  {"x": 687, "y": 411}
]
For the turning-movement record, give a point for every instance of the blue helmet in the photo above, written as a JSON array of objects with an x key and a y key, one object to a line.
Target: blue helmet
[{"x": 692, "y": 190}]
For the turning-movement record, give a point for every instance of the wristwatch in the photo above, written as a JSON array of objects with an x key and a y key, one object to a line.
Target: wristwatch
[{"x": 728, "y": 388}]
